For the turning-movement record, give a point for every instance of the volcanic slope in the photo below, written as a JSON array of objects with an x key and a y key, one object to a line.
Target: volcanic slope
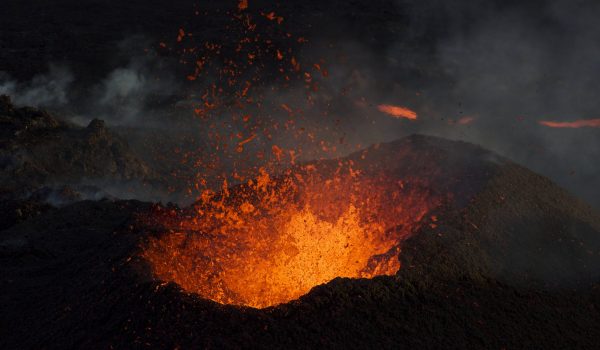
[
  {"x": 46, "y": 161},
  {"x": 39, "y": 149},
  {"x": 511, "y": 261}
]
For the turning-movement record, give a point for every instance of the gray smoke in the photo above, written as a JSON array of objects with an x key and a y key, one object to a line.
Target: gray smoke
[
  {"x": 128, "y": 95},
  {"x": 506, "y": 65},
  {"x": 521, "y": 65},
  {"x": 125, "y": 96},
  {"x": 47, "y": 90}
]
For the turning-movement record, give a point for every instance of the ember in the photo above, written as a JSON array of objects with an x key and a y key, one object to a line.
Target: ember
[{"x": 271, "y": 239}]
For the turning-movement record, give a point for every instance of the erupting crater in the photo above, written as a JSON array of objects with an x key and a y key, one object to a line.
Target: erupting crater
[{"x": 270, "y": 240}]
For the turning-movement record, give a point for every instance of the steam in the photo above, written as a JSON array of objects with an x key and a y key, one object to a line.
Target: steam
[
  {"x": 126, "y": 95},
  {"x": 130, "y": 95},
  {"x": 47, "y": 90}
]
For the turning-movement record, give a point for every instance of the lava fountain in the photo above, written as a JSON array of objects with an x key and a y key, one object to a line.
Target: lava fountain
[{"x": 270, "y": 240}]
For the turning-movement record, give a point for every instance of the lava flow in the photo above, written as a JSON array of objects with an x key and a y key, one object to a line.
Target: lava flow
[{"x": 271, "y": 240}]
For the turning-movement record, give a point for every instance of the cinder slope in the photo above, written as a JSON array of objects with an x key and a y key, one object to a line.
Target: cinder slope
[
  {"x": 512, "y": 264},
  {"x": 38, "y": 149}
]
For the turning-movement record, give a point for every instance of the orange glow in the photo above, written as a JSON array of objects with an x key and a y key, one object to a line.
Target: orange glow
[
  {"x": 180, "y": 35},
  {"x": 398, "y": 111},
  {"x": 286, "y": 108},
  {"x": 273, "y": 17},
  {"x": 465, "y": 120},
  {"x": 583, "y": 123},
  {"x": 271, "y": 240}
]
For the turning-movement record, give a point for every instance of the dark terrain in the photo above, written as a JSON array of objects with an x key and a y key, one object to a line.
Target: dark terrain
[{"x": 514, "y": 263}]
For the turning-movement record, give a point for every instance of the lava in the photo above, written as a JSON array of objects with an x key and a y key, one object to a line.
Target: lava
[
  {"x": 272, "y": 239},
  {"x": 465, "y": 120},
  {"x": 590, "y": 123},
  {"x": 398, "y": 111}
]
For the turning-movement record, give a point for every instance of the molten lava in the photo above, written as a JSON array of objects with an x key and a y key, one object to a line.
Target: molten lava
[
  {"x": 398, "y": 111},
  {"x": 589, "y": 123},
  {"x": 270, "y": 241}
]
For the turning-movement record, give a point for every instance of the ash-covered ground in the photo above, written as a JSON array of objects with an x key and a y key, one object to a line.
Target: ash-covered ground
[{"x": 104, "y": 120}]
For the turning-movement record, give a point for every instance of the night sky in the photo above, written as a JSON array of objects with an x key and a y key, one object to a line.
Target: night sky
[{"x": 487, "y": 72}]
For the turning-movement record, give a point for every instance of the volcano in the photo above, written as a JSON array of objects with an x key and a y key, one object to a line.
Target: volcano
[{"x": 470, "y": 250}]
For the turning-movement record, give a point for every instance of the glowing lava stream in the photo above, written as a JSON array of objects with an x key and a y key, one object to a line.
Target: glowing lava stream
[
  {"x": 583, "y": 123},
  {"x": 271, "y": 241}
]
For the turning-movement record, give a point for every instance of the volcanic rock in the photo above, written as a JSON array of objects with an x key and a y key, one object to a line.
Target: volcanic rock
[
  {"x": 40, "y": 150},
  {"x": 512, "y": 262}
]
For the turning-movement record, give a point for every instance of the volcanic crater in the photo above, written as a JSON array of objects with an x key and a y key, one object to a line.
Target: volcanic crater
[{"x": 452, "y": 242}]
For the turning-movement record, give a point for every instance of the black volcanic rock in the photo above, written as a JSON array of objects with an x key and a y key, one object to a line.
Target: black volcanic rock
[
  {"x": 96, "y": 126},
  {"x": 16, "y": 121},
  {"x": 6, "y": 105},
  {"x": 520, "y": 229},
  {"x": 513, "y": 263},
  {"x": 40, "y": 150}
]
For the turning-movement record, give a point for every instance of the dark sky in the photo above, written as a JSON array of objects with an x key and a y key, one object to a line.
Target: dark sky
[{"x": 506, "y": 65}]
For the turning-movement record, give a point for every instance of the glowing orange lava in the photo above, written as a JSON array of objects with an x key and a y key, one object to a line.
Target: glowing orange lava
[
  {"x": 270, "y": 241},
  {"x": 590, "y": 123},
  {"x": 398, "y": 111}
]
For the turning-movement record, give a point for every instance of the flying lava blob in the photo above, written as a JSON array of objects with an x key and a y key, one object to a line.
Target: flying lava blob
[
  {"x": 582, "y": 123},
  {"x": 398, "y": 111}
]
